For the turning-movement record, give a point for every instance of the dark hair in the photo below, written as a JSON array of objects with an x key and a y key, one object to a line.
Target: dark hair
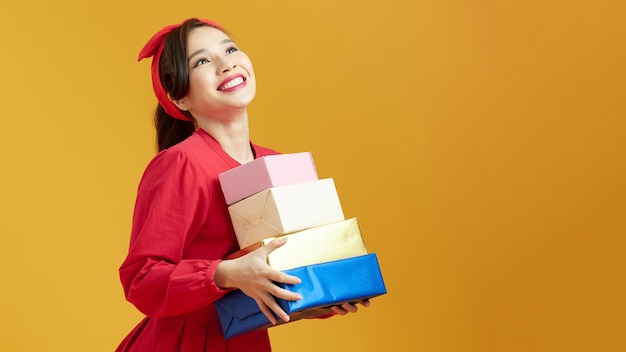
[{"x": 174, "y": 72}]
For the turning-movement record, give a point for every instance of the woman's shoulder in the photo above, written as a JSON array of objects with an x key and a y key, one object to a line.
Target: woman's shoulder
[
  {"x": 185, "y": 155},
  {"x": 182, "y": 151}
]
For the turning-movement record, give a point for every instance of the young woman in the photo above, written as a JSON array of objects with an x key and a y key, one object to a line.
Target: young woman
[{"x": 181, "y": 228}]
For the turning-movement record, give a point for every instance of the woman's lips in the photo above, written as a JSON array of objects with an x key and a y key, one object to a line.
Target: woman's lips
[{"x": 232, "y": 83}]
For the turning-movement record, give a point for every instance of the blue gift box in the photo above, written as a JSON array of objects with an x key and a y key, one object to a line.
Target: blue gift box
[{"x": 323, "y": 285}]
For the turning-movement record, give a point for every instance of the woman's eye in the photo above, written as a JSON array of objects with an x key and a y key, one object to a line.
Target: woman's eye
[
  {"x": 201, "y": 62},
  {"x": 231, "y": 50}
]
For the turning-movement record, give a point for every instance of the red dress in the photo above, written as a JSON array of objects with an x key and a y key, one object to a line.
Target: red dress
[{"x": 181, "y": 230}]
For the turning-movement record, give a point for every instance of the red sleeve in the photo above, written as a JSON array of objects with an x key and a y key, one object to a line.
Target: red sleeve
[{"x": 171, "y": 207}]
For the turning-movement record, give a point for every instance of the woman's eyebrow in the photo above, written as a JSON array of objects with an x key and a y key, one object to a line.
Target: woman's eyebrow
[{"x": 222, "y": 42}]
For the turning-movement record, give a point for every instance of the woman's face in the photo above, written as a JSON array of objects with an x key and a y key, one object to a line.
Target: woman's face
[{"x": 221, "y": 79}]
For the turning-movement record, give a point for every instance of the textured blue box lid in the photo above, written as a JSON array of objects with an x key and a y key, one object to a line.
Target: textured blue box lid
[{"x": 323, "y": 285}]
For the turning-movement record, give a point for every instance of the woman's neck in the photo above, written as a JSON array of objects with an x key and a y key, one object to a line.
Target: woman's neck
[{"x": 232, "y": 134}]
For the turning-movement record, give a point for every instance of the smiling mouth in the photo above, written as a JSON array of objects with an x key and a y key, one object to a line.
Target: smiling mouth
[{"x": 232, "y": 83}]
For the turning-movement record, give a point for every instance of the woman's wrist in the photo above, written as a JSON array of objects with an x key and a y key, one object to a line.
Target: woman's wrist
[{"x": 222, "y": 276}]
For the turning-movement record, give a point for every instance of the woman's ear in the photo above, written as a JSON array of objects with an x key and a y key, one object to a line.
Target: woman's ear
[{"x": 180, "y": 103}]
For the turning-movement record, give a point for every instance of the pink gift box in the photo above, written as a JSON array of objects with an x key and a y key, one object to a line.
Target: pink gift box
[{"x": 267, "y": 172}]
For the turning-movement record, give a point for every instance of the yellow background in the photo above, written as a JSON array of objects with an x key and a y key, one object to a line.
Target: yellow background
[{"x": 481, "y": 144}]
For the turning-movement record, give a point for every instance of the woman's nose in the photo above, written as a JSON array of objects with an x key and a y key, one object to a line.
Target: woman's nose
[{"x": 226, "y": 66}]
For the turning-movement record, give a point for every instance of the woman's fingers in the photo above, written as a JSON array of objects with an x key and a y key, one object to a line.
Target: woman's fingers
[
  {"x": 346, "y": 308},
  {"x": 267, "y": 304},
  {"x": 338, "y": 310},
  {"x": 280, "y": 292},
  {"x": 273, "y": 245},
  {"x": 279, "y": 276},
  {"x": 266, "y": 311}
]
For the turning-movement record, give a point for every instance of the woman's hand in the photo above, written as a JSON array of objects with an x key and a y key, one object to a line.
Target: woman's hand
[
  {"x": 349, "y": 307},
  {"x": 254, "y": 277}
]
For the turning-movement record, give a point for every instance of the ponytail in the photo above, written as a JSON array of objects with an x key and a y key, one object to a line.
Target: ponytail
[{"x": 169, "y": 130}]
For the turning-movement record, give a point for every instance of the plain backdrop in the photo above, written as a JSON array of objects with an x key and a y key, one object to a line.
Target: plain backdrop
[{"x": 481, "y": 145}]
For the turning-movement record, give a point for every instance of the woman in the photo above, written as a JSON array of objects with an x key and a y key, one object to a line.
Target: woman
[{"x": 181, "y": 228}]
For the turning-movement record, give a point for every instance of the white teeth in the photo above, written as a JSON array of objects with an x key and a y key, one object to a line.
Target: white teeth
[{"x": 233, "y": 82}]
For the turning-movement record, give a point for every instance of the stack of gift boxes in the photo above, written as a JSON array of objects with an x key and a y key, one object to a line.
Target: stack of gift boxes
[{"x": 281, "y": 196}]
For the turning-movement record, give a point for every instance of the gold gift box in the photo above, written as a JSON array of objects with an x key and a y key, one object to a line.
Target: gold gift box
[{"x": 316, "y": 245}]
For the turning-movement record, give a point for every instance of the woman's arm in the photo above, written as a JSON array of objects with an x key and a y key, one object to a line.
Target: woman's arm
[{"x": 173, "y": 201}]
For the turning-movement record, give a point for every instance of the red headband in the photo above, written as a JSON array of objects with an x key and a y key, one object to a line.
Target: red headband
[{"x": 154, "y": 48}]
